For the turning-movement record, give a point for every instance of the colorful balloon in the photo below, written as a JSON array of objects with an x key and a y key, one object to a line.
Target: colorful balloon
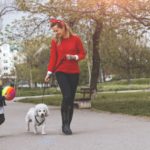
[{"x": 10, "y": 92}]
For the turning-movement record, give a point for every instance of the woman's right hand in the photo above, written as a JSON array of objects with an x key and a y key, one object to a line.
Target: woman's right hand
[
  {"x": 48, "y": 75},
  {"x": 47, "y": 78}
]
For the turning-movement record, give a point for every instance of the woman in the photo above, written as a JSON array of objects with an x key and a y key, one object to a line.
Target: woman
[{"x": 66, "y": 50}]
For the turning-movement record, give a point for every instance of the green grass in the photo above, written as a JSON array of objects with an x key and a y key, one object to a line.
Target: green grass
[
  {"x": 36, "y": 91},
  {"x": 50, "y": 100},
  {"x": 126, "y": 103},
  {"x": 115, "y": 87},
  {"x": 132, "y": 81},
  {"x": 54, "y": 100},
  {"x": 120, "y": 85}
]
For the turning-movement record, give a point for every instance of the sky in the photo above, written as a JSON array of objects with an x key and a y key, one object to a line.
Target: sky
[{"x": 10, "y": 17}]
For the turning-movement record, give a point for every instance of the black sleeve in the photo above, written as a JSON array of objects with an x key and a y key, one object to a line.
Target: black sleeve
[
  {"x": 2, "y": 101},
  {"x": 2, "y": 98}
]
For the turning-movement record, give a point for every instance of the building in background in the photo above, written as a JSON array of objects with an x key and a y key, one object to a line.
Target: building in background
[
  {"x": 8, "y": 59},
  {"x": 5, "y": 60}
]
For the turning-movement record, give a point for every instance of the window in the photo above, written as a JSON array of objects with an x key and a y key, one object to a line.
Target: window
[
  {"x": 5, "y": 68},
  {"x": 5, "y": 61},
  {"x": 15, "y": 58}
]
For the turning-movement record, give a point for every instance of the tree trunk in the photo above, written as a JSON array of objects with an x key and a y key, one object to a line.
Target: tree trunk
[
  {"x": 129, "y": 73},
  {"x": 96, "y": 57},
  {"x": 31, "y": 81}
]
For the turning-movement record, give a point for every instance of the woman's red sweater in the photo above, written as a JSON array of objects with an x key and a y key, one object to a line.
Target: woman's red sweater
[{"x": 58, "y": 52}]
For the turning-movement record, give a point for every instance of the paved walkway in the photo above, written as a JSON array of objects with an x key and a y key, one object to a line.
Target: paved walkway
[{"x": 92, "y": 131}]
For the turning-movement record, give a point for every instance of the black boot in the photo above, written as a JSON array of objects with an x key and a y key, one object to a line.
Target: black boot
[
  {"x": 70, "y": 109},
  {"x": 69, "y": 118},
  {"x": 66, "y": 120}
]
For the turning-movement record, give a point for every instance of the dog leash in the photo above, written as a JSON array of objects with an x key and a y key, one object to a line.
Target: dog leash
[
  {"x": 44, "y": 87},
  {"x": 62, "y": 60},
  {"x": 54, "y": 70}
]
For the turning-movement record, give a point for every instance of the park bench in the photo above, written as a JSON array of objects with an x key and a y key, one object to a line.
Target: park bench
[{"x": 85, "y": 100}]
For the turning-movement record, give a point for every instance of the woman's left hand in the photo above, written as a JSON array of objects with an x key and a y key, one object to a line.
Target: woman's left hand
[{"x": 71, "y": 57}]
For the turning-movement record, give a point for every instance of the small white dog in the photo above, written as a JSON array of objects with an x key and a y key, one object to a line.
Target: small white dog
[{"x": 37, "y": 116}]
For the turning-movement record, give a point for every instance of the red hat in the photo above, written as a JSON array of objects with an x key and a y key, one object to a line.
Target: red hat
[{"x": 56, "y": 21}]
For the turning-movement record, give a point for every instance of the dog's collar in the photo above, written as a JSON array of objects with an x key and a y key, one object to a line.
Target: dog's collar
[{"x": 39, "y": 123}]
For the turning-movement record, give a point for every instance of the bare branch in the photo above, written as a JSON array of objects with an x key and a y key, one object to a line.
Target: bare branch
[
  {"x": 7, "y": 9},
  {"x": 37, "y": 26},
  {"x": 143, "y": 20}
]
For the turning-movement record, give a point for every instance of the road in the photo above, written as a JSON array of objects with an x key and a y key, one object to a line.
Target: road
[{"x": 91, "y": 131}]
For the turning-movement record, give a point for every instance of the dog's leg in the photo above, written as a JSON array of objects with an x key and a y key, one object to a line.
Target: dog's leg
[
  {"x": 35, "y": 129},
  {"x": 28, "y": 126},
  {"x": 43, "y": 129}
]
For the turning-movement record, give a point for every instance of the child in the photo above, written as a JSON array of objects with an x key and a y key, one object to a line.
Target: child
[{"x": 2, "y": 104}]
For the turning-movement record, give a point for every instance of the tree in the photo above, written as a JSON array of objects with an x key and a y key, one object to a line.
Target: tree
[
  {"x": 115, "y": 13},
  {"x": 123, "y": 55},
  {"x": 5, "y": 8},
  {"x": 36, "y": 53}
]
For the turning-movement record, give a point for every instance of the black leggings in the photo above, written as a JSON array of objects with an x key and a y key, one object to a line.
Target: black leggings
[
  {"x": 2, "y": 118},
  {"x": 68, "y": 85}
]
